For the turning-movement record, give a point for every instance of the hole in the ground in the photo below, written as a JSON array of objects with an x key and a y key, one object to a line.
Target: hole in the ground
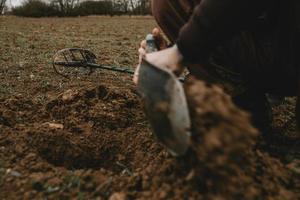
[
  {"x": 62, "y": 148},
  {"x": 92, "y": 120}
]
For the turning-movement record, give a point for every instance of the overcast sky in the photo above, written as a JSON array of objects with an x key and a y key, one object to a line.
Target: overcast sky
[{"x": 14, "y": 2}]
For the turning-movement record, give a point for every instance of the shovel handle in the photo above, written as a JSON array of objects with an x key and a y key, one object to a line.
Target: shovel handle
[{"x": 151, "y": 45}]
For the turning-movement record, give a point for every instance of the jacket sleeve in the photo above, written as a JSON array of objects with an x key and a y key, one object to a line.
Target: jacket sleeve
[{"x": 214, "y": 21}]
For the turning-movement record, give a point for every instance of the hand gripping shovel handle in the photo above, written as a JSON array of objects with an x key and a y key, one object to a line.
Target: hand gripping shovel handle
[{"x": 151, "y": 45}]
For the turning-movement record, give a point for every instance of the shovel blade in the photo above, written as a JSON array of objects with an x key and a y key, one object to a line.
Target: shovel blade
[{"x": 166, "y": 107}]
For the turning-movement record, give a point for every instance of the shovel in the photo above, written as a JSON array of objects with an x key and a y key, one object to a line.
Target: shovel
[{"x": 165, "y": 104}]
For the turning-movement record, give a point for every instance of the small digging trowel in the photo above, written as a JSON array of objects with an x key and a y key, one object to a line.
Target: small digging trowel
[{"x": 165, "y": 104}]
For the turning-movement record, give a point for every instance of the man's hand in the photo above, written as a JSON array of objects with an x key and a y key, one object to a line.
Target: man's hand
[
  {"x": 169, "y": 58},
  {"x": 166, "y": 58},
  {"x": 142, "y": 54}
]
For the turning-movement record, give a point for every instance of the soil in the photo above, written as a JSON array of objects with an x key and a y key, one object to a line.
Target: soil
[{"x": 88, "y": 138}]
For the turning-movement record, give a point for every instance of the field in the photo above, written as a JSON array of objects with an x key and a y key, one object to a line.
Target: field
[{"x": 88, "y": 137}]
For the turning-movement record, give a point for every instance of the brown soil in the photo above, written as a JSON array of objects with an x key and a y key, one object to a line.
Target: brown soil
[{"x": 89, "y": 139}]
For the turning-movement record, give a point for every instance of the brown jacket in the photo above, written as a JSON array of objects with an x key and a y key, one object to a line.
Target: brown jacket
[{"x": 269, "y": 33}]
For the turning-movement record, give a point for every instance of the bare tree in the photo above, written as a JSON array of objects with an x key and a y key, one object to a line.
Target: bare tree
[
  {"x": 2, "y": 6},
  {"x": 66, "y": 6},
  {"x": 133, "y": 5},
  {"x": 142, "y": 7},
  {"x": 125, "y": 6}
]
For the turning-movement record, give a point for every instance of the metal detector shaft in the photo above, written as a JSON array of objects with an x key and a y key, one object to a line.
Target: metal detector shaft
[
  {"x": 112, "y": 68},
  {"x": 95, "y": 66},
  {"x": 75, "y": 61}
]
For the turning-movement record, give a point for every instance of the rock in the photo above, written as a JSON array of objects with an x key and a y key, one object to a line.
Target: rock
[
  {"x": 37, "y": 177},
  {"x": 54, "y": 125},
  {"x": 162, "y": 194},
  {"x": 22, "y": 64},
  {"x": 69, "y": 95},
  {"x": 55, "y": 181},
  {"x": 118, "y": 196},
  {"x": 15, "y": 174},
  {"x": 190, "y": 176}
]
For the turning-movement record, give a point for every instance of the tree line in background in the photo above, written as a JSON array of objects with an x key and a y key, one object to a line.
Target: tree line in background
[
  {"x": 2, "y": 6},
  {"x": 61, "y": 8}
]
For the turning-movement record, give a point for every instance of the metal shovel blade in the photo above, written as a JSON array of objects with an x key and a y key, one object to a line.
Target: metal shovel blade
[{"x": 166, "y": 107}]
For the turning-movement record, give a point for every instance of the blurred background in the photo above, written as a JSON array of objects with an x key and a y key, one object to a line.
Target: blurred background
[{"x": 62, "y": 8}]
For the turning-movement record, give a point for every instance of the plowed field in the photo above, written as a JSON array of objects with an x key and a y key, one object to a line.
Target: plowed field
[{"x": 88, "y": 137}]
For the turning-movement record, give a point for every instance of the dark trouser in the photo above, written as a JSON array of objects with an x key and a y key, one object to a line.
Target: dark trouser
[{"x": 171, "y": 15}]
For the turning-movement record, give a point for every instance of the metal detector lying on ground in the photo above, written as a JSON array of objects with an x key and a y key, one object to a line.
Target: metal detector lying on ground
[{"x": 73, "y": 62}]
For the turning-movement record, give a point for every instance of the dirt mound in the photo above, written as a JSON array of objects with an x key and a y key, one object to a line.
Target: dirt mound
[
  {"x": 91, "y": 127},
  {"x": 98, "y": 107},
  {"x": 17, "y": 110}
]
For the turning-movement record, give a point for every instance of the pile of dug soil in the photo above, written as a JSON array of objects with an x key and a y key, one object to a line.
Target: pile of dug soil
[
  {"x": 223, "y": 157},
  {"x": 85, "y": 128}
]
